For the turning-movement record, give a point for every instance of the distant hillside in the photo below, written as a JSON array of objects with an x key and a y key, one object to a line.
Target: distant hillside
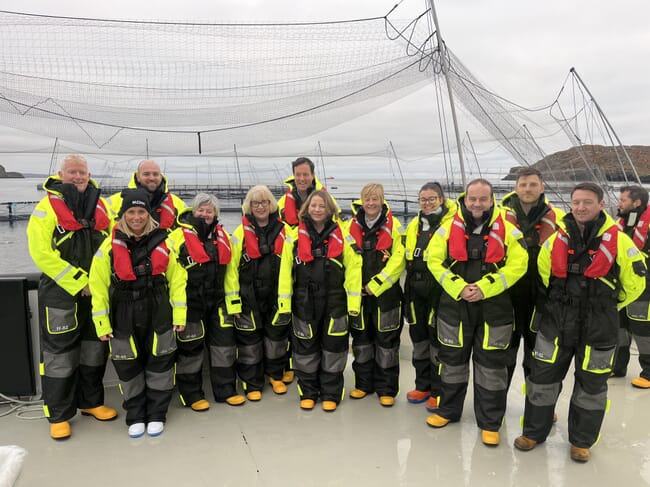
[
  {"x": 568, "y": 165},
  {"x": 5, "y": 174}
]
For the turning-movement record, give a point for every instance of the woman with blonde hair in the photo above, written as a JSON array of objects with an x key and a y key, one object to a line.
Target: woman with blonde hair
[
  {"x": 255, "y": 265},
  {"x": 376, "y": 335},
  {"x": 138, "y": 301}
]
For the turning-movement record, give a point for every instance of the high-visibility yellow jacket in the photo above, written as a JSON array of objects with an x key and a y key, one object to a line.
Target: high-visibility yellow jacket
[
  {"x": 491, "y": 283},
  {"x": 101, "y": 271},
  {"x": 351, "y": 262},
  {"x": 115, "y": 200},
  {"x": 44, "y": 246}
]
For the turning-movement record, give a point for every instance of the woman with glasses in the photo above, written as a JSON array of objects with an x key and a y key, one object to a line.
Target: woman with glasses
[
  {"x": 376, "y": 336},
  {"x": 256, "y": 251},
  {"x": 320, "y": 285},
  {"x": 422, "y": 292},
  {"x": 203, "y": 248}
]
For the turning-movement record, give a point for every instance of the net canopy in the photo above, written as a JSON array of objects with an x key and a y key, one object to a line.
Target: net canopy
[{"x": 188, "y": 88}]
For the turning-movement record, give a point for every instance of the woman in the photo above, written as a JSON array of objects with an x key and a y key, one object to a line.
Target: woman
[
  {"x": 203, "y": 249},
  {"x": 422, "y": 292},
  {"x": 138, "y": 300},
  {"x": 320, "y": 285},
  {"x": 376, "y": 336},
  {"x": 255, "y": 265}
]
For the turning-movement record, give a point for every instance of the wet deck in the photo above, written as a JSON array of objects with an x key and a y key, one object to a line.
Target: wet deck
[{"x": 274, "y": 443}]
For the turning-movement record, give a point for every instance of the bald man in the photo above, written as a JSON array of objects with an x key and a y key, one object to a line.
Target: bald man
[
  {"x": 164, "y": 205},
  {"x": 64, "y": 231}
]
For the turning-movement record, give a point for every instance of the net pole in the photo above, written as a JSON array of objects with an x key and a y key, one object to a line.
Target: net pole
[{"x": 445, "y": 71}]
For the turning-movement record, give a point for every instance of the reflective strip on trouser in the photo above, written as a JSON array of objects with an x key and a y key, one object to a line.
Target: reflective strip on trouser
[
  {"x": 386, "y": 357},
  {"x": 306, "y": 363},
  {"x": 223, "y": 353},
  {"x": 421, "y": 334},
  {"x": 643, "y": 345},
  {"x": 222, "y": 371},
  {"x": 363, "y": 353},
  {"x": 453, "y": 388},
  {"x": 92, "y": 367},
  {"x": 250, "y": 366},
  {"x": 73, "y": 362},
  {"x": 276, "y": 346},
  {"x": 587, "y": 409},
  {"x": 334, "y": 362},
  {"x": 640, "y": 330},
  {"x": 189, "y": 370},
  {"x": 223, "y": 356},
  {"x": 490, "y": 393}
]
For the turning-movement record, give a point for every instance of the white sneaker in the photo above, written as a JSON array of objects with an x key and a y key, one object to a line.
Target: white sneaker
[
  {"x": 155, "y": 428},
  {"x": 136, "y": 430}
]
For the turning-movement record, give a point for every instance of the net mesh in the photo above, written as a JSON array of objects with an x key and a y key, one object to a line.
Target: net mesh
[{"x": 188, "y": 87}]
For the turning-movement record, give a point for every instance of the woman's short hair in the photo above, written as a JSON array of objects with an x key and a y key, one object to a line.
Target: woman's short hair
[
  {"x": 370, "y": 189},
  {"x": 259, "y": 192},
  {"x": 332, "y": 210},
  {"x": 206, "y": 199}
]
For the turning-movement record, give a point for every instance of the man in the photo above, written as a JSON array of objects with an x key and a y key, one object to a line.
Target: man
[
  {"x": 634, "y": 220},
  {"x": 300, "y": 185},
  {"x": 64, "y": 231},
  {"x": 528, "y": 209},
  {"x": 475, "y": 257},
  {"x": 165, "y": 206},
  {"x": 590, "y": 270}
]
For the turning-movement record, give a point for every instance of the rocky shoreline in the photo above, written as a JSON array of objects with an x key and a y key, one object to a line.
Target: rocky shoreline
[
  {"x": 608, "y": 163},
  {"x": 4, "y": 174}
]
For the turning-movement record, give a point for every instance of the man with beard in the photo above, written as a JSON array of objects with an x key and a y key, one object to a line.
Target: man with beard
[
  {"x": 528, "y": 209},
  {"x": 165, "y": 206},
  {"x": 476, "y": 258},
  {"x": 634, "y": 220}
]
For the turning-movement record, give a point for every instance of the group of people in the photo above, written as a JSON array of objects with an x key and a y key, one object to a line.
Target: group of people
[{"x": 284, "y": 293}]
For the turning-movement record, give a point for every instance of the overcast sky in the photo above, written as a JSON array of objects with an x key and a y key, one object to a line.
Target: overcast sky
[{"x": 522, "y": 50}]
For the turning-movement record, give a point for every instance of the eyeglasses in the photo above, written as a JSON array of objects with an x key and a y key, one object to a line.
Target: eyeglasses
[
  {"x": 433, "y": 199},
  {"x": 258, "y": 204}
]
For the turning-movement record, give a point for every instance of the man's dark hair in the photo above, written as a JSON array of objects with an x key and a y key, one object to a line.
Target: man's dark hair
[
  {"x": 482, "y": 181},
  {"x": 528, "y": 171},
  {"x": 303, "y": 160},
  {"x": 587, "y": 186},
  {"x": 636, "y": 193}
]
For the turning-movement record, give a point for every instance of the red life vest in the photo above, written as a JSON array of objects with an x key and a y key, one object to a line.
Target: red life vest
[
  {"x": 197, "y": 252},
  {"x": 166, "y": 212},
  {"x": 496, "y": 248},
  {"x": 603, "y": 257},
  {"x": 384, "y": 234},
  {"x": 124, "y": 266},
  {"x": 252, "y": 245},
  {"x": 640, "y": 236},
  {"x": 290, "y": 210},
  {"x": 545, "y": 228},
  {"x": 66, "y": 219},
  {"x": 334, "y": 243}
]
